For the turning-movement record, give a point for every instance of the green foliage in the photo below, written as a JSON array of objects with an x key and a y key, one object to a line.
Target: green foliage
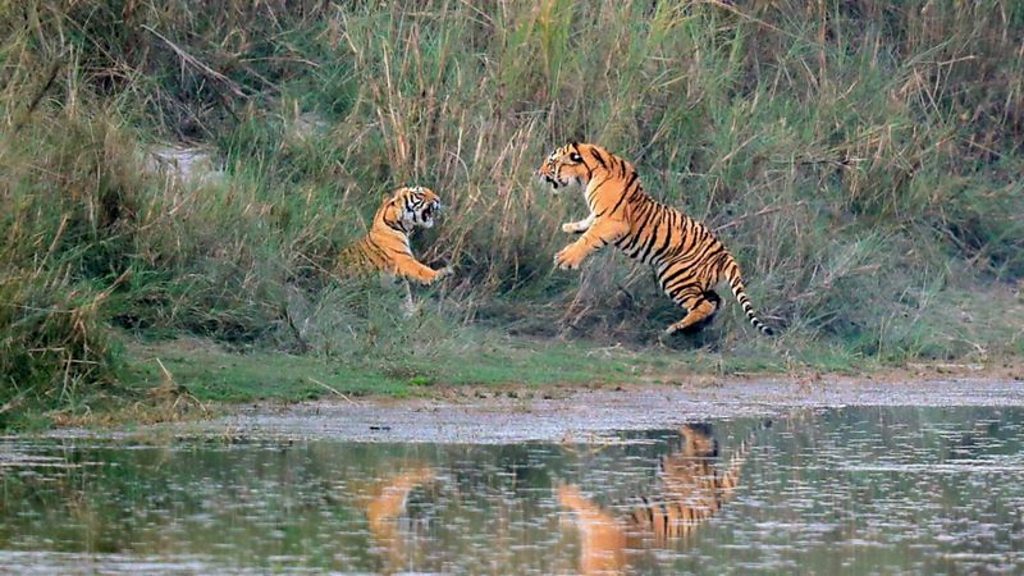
[{"x": 861, "y": 158}]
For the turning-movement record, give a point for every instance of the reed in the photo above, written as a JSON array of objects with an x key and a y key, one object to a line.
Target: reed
[{"x": 861, "y": 158}]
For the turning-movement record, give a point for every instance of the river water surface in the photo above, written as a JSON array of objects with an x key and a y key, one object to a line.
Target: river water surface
[{"x": 868, "y": 490}]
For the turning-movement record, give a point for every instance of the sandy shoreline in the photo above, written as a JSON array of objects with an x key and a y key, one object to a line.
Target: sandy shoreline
[{"x": 467, "y": 415}]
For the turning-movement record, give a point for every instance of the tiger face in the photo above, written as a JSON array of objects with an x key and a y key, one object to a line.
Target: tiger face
[
  {"x": 565, "y": 166},
  {"x": 418, "y": 206}
]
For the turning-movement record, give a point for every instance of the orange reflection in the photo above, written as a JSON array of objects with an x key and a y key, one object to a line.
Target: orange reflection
[
  {"x": 693, "y": 490},
  {"x": 386, "y": 504}
]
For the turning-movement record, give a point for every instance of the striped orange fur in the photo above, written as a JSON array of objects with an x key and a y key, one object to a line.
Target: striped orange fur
[
  {"x": 693, "y": 490},
  {"x": 688, "y": 259},
  {"x": 386, "y": 247}
]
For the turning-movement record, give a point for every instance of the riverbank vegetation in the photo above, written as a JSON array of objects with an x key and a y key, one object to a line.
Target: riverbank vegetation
[{"x": 187, "y": 171}]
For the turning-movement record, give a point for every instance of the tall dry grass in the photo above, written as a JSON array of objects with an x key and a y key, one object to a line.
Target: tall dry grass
[{"x": 861, "y": 158}]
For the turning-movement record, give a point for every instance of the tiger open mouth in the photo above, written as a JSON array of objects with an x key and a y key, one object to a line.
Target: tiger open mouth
[
  {"x": 555, "y": 184},
  {"x": 427, "y": 216}
]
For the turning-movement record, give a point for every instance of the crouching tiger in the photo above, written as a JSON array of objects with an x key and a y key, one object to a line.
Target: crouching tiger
[
  {"x": 692, "y": 490},
  {"x": 687, "y": 258},
  {"x": 386, "y": 247}
]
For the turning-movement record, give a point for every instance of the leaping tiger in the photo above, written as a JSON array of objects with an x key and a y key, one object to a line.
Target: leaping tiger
[{"x": 687, "y": 258}]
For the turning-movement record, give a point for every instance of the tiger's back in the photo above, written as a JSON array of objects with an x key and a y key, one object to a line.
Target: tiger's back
[
  {"x": 363, "y": 257},
  {"x": 689, "y": 261}
]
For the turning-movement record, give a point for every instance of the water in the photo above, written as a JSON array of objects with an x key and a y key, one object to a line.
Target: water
[{"x": 819, "y": 491}]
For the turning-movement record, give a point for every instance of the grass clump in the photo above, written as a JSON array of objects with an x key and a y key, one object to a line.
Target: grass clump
[{"x": 177, "y": 170}]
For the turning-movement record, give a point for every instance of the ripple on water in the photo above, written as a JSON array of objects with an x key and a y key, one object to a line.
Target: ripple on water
[{"x": 858, "y": 490}]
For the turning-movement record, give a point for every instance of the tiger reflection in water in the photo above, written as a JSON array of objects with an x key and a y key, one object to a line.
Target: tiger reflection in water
[
  {"x": 383, "y": 507},
  {"x": 692, "y": 491}
]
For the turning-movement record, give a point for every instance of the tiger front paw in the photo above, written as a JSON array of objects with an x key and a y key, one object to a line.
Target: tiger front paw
[
  {"x": 434, "y": 275},
  {"x": 569, "y": 228},
  {"x": 568, "y": 258},
  {"x": 440, "y": 273}
]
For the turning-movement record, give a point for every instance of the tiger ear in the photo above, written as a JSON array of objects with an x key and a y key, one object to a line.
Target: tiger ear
[{"x": 575, "y": 157}]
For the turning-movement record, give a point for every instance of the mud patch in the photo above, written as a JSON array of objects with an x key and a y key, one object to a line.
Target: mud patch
[{"x": 483, "y": 416}]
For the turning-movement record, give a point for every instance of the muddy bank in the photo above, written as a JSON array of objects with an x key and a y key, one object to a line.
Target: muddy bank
[{"x": 517, "y": 414}]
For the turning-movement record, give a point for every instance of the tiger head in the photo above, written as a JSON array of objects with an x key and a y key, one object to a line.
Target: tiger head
[
  {"x": 566, "y": 166},
  {"x": 415, "y": 206}
]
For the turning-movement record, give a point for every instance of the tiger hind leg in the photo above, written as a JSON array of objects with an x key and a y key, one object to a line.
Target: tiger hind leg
[{"x": 701, "y": 311}]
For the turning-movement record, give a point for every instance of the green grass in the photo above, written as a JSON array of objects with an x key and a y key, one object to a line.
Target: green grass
[
  {"x": 477, "y": 358},
  {"x": 861, "y": 159},
  {"x": 213, "y": 375},
  {"x": 217, "y": 375}
]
